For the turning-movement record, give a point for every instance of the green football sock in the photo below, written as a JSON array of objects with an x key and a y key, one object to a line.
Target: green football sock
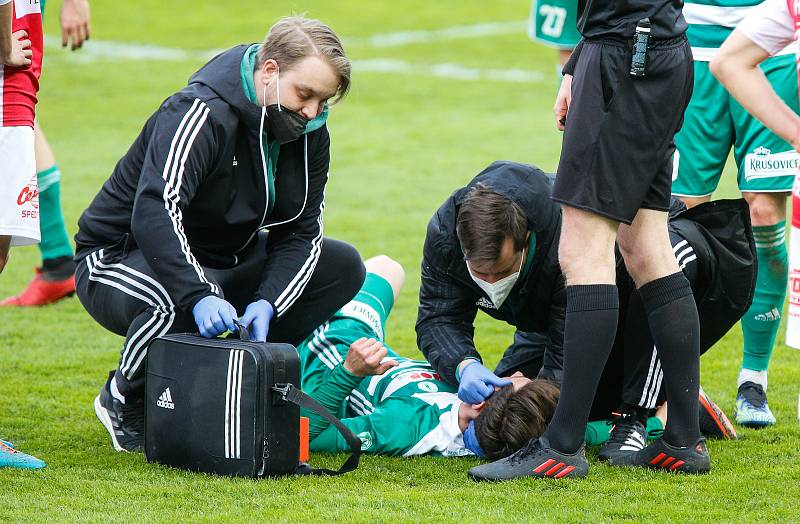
[
  {"x": 761, "y": 322},
  {"x": 55, "y": 239}
]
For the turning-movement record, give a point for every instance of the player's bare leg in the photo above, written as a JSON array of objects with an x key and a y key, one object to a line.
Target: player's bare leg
[{"x": 388, "y": 269}]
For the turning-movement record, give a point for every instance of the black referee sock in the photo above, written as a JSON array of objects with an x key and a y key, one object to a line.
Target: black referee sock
[
  {"x": 589, "y": 332},
  {"x": 674, "y": 325}
]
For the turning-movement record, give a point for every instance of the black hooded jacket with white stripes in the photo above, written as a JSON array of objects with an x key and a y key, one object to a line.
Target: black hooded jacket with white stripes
[
  {"x": 448, "y": 297},
  {"x": 191, "y": 192}
]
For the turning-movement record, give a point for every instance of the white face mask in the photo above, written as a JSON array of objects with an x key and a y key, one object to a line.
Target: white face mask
[{"x": 499, "y": 291}]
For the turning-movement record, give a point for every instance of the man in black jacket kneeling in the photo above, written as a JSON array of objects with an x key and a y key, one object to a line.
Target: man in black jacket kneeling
[
  {"x": 216, "y": 211},
  {"x": 492, "y": 246}
]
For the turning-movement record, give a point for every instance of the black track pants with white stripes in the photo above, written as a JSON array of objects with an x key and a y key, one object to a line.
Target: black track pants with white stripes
[{"x": 121, "y": 292}]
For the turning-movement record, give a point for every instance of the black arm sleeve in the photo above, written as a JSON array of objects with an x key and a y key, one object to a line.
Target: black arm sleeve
[
  {"x": 181, "y": 150},
  {"x": 444, "y": 322},
  {"x": 569, "y": 67}
]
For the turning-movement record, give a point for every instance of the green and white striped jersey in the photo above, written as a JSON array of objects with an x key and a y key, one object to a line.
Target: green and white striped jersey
[
  {"x": 406, "y": 411},
  {"x": 711, "y": 21},
  {"x": 409, "y": 410}
]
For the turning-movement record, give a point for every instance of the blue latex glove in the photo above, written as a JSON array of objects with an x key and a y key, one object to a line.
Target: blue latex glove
[
  {"x": 257, "y": 317},
  {"x": 477, "y": 383},
  {"x": 214, "y": 316}
]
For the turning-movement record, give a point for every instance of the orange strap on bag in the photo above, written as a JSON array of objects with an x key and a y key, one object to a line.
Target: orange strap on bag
[{"x": 304, "y": 439}]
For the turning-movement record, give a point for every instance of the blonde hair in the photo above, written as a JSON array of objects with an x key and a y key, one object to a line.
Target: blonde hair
[{"x": 294, "y": 38}]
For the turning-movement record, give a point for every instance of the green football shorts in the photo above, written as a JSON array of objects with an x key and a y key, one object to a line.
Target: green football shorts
[
  {"x": 714, "y": 122},
  {"x": 555, "y": 23}
]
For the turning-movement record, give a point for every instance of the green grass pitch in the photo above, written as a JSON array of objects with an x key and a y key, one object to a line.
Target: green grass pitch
[{"x": 428, "y": 110}]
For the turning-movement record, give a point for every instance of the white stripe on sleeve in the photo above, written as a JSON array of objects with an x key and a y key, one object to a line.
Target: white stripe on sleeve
[{"x": 180, "y": 147}]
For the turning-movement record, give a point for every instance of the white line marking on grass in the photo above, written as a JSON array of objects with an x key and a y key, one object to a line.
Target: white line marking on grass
[
  {"x": 452, "y": 71},
  {"x": 401, "y": 38},
  {"x": 121, "y": 50},
  {"x": 97, "y": 50}
]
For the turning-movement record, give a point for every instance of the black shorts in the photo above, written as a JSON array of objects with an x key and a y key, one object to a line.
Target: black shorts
[{"x": 616, "y": 156}]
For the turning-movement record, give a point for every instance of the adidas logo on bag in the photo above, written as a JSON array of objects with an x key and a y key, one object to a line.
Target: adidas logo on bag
[{"x": 165, "y": 400}]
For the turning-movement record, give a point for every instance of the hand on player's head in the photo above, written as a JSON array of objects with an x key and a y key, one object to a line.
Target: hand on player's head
[
  {"x": 365, "y": 358},
  {"x": 513, "y": 416},
  {"x": 477, "y": 383},
  {"x": 518, "y": 380}
]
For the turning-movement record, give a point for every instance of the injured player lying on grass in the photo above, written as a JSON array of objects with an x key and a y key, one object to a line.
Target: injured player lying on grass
[
  {"x": 400, "y": 406},
  {"x": 396, "y": 405}
]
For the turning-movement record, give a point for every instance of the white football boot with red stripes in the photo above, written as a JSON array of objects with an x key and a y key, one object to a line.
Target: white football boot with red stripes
[{"x": 537, "y": 459}]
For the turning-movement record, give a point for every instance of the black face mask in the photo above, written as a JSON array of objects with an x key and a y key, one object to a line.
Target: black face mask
[{"x": 284, "y": 124}]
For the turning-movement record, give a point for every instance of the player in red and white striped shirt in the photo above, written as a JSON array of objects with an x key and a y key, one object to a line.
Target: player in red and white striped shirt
[
  {"x": 21, "y": 46},
  {"x": 20, "y": 65},
  {"x": 55, "y": 278}
]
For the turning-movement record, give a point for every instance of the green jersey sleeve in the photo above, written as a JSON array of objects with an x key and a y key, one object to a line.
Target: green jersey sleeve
[
  {"x": 399, "y": 427},
  {"x": 380, "y": 433},
  {"x": 331, "y": 393}
]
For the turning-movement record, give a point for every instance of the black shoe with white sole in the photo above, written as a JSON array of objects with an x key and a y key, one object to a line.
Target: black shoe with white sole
[
  {"x": 661, "y": 455},
  {"x": 124, "y": 422},
  {"x": 628, "y": 436}
]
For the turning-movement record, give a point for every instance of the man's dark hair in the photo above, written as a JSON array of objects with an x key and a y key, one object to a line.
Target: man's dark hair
[
  {"x": 484, "y": 221},
  {"x": 509, "y": 419}
]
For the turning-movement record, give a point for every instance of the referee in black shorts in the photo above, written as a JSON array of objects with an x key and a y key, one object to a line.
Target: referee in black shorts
[{"x": 619, "y": 114}]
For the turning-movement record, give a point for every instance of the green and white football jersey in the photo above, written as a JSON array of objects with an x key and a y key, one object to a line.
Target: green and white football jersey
[
  {"x": 712, "y": 21},
  {"x": 409, "y": 410},
  {"x": 714, "y": 122},
  {"x": 555, "y": 23}
]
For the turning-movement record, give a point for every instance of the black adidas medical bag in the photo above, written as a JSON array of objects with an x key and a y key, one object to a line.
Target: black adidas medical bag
[{"x": 229, "y": 407}]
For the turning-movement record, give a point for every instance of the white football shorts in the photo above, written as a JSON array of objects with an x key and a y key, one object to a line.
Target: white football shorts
[{"x": 19, "y": 194}]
